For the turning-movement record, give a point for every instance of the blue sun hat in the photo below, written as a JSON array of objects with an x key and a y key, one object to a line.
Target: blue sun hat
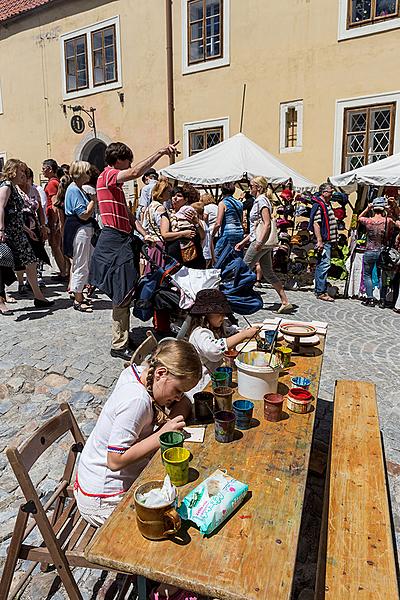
[{"x": 379, "y": 202}]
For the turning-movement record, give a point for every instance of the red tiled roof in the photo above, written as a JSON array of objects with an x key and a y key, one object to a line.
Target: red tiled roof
[{"x": 14, "y": 8}]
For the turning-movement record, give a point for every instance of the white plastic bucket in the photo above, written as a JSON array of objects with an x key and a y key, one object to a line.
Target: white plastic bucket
[{"x": 255, "y": 377}]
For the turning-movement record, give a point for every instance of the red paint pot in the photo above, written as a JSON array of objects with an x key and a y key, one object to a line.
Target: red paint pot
[
  {"x": 229, "y": 358},
  {"x": 299, "y": 400},
  {"x": 273, "y": 407}
]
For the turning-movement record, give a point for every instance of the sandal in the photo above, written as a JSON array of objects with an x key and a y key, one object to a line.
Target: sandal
[{"x": 82, "y": 307}]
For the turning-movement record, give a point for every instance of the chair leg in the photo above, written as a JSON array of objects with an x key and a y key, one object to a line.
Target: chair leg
[{"x": 13, "y": 553}]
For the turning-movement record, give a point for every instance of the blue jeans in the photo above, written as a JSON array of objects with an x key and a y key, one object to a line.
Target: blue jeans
[
  {"x": 370, "y": 259},
  {"x": 322, "y": 268}
]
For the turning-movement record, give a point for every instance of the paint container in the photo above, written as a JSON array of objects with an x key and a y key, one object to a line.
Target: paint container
[
  {"x": 219, "y": 379},
  {"x": 224, "y": 421},
  {"x": 285, "y": 355},
  {"x": 176, "y": 462},
  {"x": 299, "y": 400},
  {"x": 265, "y": 339},
  {"x": 255, "y": 376},
  {"x": 171, "y": 439},
  {"x": 243, "y": 410},
  {"x": 229, "y": 358},
  {"x": 203, "y": 406},
  {"x": 223, "y": 398},
  {"x": 301, "y": 382},
  {"x": 155, "y": 523},
  {"x": 273, "y": 407},
  {"x": 228, "y": 370}
]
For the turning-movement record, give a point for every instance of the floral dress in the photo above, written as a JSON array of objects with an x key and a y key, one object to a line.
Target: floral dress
[{"x": 14, "y": 228}]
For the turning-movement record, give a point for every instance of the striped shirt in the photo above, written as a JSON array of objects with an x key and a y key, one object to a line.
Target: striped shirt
[
  {"x": 111, "y": 200},
  {"x": 333, "y": 230}
]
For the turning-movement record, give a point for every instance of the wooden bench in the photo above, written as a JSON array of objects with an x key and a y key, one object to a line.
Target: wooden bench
[{"x": 356, "y": 558}]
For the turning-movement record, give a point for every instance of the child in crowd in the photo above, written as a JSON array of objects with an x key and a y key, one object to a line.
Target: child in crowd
[
  {"x": 211, "y": 333},
  {"x": 126, "y": 434}
]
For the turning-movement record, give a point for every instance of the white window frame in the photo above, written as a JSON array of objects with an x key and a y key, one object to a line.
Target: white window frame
[
  {"x": 284, "y": 107},
  {"x": 87, "y": 31},
  {"x": 341, "y": 105},
  {"x": 195, "y": 125},
  {"x": 207, "y": 64},
  {"x": 362, "y": 30},
  {"x": 1, "y": 101}
]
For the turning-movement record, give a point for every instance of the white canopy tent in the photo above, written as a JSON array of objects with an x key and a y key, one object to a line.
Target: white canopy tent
[
  {"x": 381, "y": 173},
  {"x": 234, "y": 159}
]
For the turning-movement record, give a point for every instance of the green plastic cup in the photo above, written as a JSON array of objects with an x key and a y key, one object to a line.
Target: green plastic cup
[
  {"x": 220, "y": 379},
  {"x": 176, "y": 463},
  {"x": 171, "y": 439}
]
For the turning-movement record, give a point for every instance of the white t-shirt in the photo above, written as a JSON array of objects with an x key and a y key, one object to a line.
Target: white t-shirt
[
  {"x": 255, "y": 214},
  {"x": 43, "y": 198},
  {"x": 127, "y": 417},
  {"x": 211, "y": 210},
  {"x": 211, "y": 350}
]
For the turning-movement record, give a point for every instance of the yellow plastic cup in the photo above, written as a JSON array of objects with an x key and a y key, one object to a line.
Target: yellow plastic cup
[
  {"x": 285, "y": 355},
  {"x": 176, "y": 462}
]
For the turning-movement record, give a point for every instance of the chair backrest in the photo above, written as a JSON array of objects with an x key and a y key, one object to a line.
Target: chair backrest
[
  {"x": 23, "y": 458},
  {"x": 145, "y": 348}
]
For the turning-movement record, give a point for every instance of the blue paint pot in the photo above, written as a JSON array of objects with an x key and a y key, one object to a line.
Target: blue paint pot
[
  {"x": 243, "y": 410},
  {"x": 227, "y": 370},
  {"x": 301, "y": 382}
]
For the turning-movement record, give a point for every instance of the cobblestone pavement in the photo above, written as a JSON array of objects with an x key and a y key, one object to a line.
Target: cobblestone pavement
[{"x": 48, "y": 356}]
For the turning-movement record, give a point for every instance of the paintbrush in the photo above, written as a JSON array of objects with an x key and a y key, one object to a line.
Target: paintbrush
[
  {"x": 273, "y": 343},
  {"x": 254, "y": 334}
]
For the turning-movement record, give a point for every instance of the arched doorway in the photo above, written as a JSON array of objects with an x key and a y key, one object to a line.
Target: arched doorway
[{"x": 93, "y": 152}]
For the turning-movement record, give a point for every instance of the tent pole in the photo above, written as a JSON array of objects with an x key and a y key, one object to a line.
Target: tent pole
[{"x": 242, "y": 111}]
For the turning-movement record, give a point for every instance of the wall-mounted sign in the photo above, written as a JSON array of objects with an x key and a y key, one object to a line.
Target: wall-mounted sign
[{"x": 77, "y": 124}]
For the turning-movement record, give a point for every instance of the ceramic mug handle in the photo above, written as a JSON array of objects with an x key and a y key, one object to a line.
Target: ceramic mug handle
[{"x": 172, "y": 516}]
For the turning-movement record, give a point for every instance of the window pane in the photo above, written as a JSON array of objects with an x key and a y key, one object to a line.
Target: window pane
[
  {"x": 213, "y": 47},
  {"x": 213, "y": 138},
  {"x": 196, "y": 31},
  {"x": 98, "y": 58},
  {"x": 380, "y": 119},
  {"x": 212, "y": 7},
  {"x": 82, "y": 79},
  {"x": 196, "y": 10},
  {"x": 196, "y": 142},
  {"x": 196, "y": 51},
  {"x": 81, "y": 62},
  {"x": 109, "y": 37},
  {"x": 98, "y": 75},
  {"x": 361, "y": 10},
  {"x": 291, "y": 128},
  {"x": 109, "y": 51},
  {"x": 385, "y": 8},
  {"x": 97, "y": 40},
  {"x": 356, "y": 143},
  {"x": 110, "y": 72},
  {"x": 81, "y": 46},
  {"x": 71, "y": 83},
  {"x": 69, "y": 49},
  {"x": 357, "y": 121},
  {"x": 202, "y": 139}
]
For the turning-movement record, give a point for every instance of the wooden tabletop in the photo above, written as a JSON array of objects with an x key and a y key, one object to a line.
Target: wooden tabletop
[{"x": 252, "y": 556}]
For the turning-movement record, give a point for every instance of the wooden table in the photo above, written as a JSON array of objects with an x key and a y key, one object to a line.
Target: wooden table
[{"x": 252, "y": 556}]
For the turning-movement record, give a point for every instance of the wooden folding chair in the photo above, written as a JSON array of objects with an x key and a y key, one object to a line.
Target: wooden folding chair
[
  {"x": 65, "y": 533},
  {"x": 145, "y": 349}
]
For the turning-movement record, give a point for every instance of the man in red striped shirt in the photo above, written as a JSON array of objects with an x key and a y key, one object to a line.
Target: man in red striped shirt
[{"x": 114, "y": 268}]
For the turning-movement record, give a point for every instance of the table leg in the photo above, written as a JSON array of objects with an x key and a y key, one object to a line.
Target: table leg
[{"x": 142, "y": 587}]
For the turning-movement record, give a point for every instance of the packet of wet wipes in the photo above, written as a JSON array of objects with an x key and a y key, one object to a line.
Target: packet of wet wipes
[{"x": 212, "y": 501}]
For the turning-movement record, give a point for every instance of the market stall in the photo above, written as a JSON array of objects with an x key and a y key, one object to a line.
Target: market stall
[{"x": 236, "y": 159}]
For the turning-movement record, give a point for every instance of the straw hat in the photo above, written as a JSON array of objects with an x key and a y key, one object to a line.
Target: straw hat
[{"x": 210, "y": 301}]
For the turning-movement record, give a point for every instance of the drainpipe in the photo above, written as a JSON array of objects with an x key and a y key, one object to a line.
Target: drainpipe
[{"x": 170, "y": 76}]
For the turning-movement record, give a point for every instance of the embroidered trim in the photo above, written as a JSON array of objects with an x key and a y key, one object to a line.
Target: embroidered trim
[{"x": 117, "y": 449}]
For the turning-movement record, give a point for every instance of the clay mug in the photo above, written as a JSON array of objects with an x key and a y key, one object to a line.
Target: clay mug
[{"x": 155, "y": 523}]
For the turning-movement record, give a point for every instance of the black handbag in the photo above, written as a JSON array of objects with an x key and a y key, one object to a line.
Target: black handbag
[
  {"x": 6, "y": 256},
  {"x": 389, "y": 257}
]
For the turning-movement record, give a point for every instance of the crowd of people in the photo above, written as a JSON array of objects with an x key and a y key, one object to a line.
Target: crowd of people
[{"x": 287, "y": 238}]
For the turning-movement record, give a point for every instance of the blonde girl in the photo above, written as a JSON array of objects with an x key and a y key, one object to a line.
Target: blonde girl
[
  {"x": 129, "y": 426},
  {"x": 261, "y": 213}
]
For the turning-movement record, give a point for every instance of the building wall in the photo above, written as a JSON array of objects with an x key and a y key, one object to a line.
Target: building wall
[{"x": 283, "y": 51}]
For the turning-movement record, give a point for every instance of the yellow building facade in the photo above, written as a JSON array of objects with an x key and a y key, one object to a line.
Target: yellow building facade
[{"x": 322, "y": 78}]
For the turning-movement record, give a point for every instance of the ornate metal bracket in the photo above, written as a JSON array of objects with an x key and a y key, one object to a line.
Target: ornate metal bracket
[{"x": 89, "y": 112}]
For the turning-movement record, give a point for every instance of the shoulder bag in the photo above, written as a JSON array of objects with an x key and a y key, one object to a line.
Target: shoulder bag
[
  {"x": 389, "y": 257},
  {"x": 272, "y": 239}
]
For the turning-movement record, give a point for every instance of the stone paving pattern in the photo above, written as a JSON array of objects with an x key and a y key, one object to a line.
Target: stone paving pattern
[{"x": 50, "y": 356}]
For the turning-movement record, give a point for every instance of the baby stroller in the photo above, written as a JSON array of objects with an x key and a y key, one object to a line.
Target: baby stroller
[{"x": 174, "y": 288}]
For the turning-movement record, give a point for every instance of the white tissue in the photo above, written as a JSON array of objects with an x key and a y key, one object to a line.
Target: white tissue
[{"x": 159, "y": 496}]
